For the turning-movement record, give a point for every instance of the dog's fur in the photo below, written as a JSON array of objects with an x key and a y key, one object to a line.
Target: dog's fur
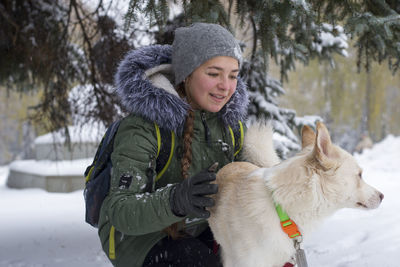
[{"x": 310, "y": 186}]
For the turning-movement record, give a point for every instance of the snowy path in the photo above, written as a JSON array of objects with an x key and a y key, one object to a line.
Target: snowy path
[{"x": 39, "y": 229}]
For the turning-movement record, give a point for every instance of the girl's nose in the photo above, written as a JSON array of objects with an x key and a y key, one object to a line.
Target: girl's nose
[{"x": 223, "y": 83}]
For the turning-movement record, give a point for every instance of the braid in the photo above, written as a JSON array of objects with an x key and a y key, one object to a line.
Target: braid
[
  {"x": 187, "y": 145},
  {"x": 187, "y": 136},
  {"x": 173, "y": 230}
]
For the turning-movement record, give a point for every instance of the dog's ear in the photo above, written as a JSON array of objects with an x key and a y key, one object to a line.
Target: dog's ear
[
  {"x": 307, "y": 136},
  {"x": 324, "y": 151}
]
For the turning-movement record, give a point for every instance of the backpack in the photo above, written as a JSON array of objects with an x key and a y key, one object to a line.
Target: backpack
[{"x": 98, "y": 174}]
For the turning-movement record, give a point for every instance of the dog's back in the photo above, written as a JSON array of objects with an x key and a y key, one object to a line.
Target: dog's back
[
  {"x": 243, "y": 204},
  {"x": 244, "y": 221}
]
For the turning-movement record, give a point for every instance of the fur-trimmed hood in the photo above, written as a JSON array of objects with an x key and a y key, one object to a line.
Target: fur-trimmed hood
[{"x": 144, "y": 82}]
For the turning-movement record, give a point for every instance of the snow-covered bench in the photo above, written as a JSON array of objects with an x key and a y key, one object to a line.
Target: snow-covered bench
[{"x": 57, "y": 167}]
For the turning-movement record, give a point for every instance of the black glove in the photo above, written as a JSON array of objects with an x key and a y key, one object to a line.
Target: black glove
[{"x": 189, "y": 196}]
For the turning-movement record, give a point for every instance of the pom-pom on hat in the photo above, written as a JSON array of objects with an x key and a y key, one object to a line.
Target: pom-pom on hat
[{"x": 198, "y": 43}]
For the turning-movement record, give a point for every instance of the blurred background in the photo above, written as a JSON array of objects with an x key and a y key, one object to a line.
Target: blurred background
[{"x": 305, "y": 61}]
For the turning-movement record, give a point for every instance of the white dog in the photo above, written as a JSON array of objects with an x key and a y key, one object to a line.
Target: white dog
[{"x": 312, "y": 185}]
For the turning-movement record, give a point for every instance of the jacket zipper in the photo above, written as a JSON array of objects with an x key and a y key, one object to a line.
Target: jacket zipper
[{"x": 207, "y": 130}]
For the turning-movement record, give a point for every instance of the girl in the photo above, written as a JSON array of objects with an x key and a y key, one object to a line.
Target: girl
[{"x": 193, "y": 89}]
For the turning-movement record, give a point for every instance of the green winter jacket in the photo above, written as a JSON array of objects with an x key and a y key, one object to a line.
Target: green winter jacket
[{"x": 134, "y": 214}]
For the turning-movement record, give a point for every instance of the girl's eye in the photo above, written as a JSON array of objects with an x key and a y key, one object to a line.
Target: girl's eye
[
  {"x": 213, "y": 74},
  {"x": 233, "y": 77}
]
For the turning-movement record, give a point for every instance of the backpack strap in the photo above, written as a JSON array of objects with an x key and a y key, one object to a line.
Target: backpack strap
[
  {"x": 237, "y": 138},
  {"x": 111, "y": 245},
  {"x": 165, "y": 151},
  {"x": 105, "y": 149}
]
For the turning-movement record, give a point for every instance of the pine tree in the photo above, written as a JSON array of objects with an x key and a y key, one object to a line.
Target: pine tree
[{"x": 52, "y": 44}]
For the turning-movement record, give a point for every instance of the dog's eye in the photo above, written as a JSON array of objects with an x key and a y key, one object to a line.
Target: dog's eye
[{"x": 360, "y": 175}]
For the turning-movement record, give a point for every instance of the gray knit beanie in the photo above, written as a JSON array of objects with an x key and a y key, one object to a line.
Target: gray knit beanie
[{"x": 198, "y": 43}]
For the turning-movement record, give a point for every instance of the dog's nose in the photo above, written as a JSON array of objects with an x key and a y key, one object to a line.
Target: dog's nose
[{"x": 381, "y": 196}]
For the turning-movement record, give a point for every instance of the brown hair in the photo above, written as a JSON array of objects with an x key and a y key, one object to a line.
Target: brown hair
[
  {"x": 173, "y": 230},
  {"x": 187, "y": 136}
]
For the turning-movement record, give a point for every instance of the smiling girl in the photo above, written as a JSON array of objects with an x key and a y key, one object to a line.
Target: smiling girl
[{"x": 192, "y": 88}]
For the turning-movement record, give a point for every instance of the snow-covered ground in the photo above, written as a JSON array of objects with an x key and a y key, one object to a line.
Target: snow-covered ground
[
  {"x": 48, "y": 229},
  {"x": 365, "y": 238},
  {"x": 39, "y": 229}
]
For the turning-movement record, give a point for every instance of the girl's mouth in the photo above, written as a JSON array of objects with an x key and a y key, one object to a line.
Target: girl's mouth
[{"x": 218, "y": 97}]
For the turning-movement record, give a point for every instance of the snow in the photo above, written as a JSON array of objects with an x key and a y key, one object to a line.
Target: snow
[
  {"x": 330, "y": 39},
  {"x": 38, "y": 228},
  {"x": 118, "y": 9},
  {"x": 51, "y": 168},
  {"x": 307, "y": 120},
  {"x": 88, "y": 133}
]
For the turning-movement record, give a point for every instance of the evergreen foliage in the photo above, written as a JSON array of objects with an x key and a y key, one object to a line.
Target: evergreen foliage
[
  {"x": 51, "y": 46},
  {"x": 32, "y": 47},
  {"x": 55, "y": 45},
  {"x": 263, "y": 93},
  {"x": 374, "y": 24},
  {"x": 289, "y": 31}
]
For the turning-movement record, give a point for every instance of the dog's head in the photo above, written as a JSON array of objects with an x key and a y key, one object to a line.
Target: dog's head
[{"x": 340, "y": 177}]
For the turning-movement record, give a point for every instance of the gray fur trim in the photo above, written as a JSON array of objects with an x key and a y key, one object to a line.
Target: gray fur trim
[
  {"x": 138, "y": 95},
  {"x": 236, "y": 108}
]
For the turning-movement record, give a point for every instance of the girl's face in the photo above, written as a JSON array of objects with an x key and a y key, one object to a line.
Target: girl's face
[{"x": 212, "y": 84}]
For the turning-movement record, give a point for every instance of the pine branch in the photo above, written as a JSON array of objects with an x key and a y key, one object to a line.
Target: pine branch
[{"x": 6, "y": 16}]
